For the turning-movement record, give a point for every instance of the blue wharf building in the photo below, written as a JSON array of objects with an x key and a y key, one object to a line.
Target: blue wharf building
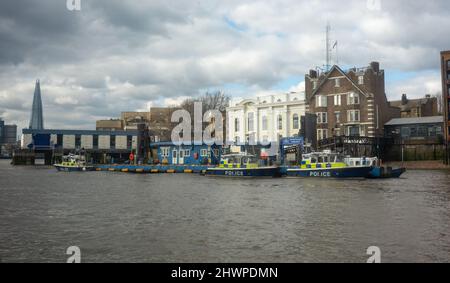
[{"x": 168, "y": 153}]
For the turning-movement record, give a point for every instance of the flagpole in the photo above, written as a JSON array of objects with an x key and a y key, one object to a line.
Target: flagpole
[{"x": 337, "y": 53}]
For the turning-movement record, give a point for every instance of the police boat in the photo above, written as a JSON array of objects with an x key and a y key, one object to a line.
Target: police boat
[
  {"x": 242, "y": 165},
  {"x": 73, "y": 162},
  {"x": 331, "y": 165}
]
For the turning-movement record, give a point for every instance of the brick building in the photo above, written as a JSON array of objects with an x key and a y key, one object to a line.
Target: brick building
[
  {"x": 349, "y": 103},
  {"x": 445, "y": 66},
  {"x": 414, "y": 108},
  {"x": 160, "y": 122},
  {"x": 109, "y": 125},
  {"x": 132, "y": 119}
]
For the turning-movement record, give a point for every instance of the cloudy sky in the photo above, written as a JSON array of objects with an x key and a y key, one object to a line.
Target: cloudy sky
[{"x": 117, "y": 55}]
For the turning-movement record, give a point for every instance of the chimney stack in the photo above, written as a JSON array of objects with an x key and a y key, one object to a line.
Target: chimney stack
[
  {"x": 375, "y": 66},
  {"x": 404, "y": 99}
]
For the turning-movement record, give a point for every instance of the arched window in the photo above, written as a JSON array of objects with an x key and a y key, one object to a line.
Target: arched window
[
  {"x": 236, "y": 125},
  {"x": 264, "y": 123},
  {"x": 251, "y": 122},
  {"x": 295, "y": 122},
  {"x": 280, "y": 122}
]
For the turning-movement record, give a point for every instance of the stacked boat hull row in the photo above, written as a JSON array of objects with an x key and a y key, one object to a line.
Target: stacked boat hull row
[
  {"x": 313, "y": 165},
  {"x": 276, "y": 172}
]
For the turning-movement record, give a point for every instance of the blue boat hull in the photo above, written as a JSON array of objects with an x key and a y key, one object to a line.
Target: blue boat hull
[
  {"x": 383, "y": 173},
  {"x": 244, "y": 172},
  {"x": 346, "y": 172}
]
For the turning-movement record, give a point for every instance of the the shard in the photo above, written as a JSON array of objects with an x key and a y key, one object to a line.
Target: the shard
[{"x": 37, "y": 120}]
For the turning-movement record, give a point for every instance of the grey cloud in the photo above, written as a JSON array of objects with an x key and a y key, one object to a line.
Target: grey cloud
[{"x": 120, "y": 55}]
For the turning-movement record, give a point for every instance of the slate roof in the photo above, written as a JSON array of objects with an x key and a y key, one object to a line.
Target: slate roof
[{"x": 418, "y": 120}]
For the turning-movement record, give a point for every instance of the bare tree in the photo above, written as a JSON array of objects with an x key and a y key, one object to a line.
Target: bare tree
[
  {"x": 210, "y": 101},
  {"x": 217, "y": 100},
  {"x": 440, "y": 103}
]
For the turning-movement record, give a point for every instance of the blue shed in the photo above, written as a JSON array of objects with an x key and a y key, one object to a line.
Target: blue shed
[{"x": 169, "y": 153}]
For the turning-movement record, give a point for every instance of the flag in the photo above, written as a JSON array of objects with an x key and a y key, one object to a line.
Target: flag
[{"x": 335, "y": 44}]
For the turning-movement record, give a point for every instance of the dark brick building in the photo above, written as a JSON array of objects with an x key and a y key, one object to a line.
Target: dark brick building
[
  {"x": 349, "y": 103},
  {"x": 414, "y": 108},
  {"x": 160, "y": 122}
]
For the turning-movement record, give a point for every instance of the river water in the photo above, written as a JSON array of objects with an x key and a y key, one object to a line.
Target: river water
[{"x": 120, "y": 217}]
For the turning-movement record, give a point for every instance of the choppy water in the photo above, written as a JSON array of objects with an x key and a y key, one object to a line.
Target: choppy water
[{"x": 118, "y": 217}]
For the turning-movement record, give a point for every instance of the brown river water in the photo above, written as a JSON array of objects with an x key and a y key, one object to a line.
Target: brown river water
[{"x": 120, "y": 217}]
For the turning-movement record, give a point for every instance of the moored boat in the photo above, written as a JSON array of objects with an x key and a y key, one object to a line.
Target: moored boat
[
  {"x": 73, "y": 162},
  {"x": 242, "y": 165},
  {"x": 331, "y": 165}
]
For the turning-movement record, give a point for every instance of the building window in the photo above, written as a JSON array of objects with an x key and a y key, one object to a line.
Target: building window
[
  {"x": 321, "y": 101},
  {"x": 337, "y": 116},
  {"x": 280, "y": 122},
  {"x": 322, "y": 134},
  {"x": 264, "y": 123},
  {"x": 236, "y": 125},
  {"x": 361, "y": 80},
  {"x": 251, "y": 122},
  {"x": 59, "y": 140},
  {"x": 165, "y": 152},
  {"x": 337, "y": 82},
  {"x": 251, "y": 139},
  {"x": 406, "y": 132},
  {"x": 130, "y": 141},
  {"x": 95, "y": 141},
  {"x": 353, "y": 131},
  {"x": 337, "y": 132},
  {"x": 422, "y": 132},
  {"x": 237, "y": 140},
  {"x": 295, "y": 122},
  {"x": 322, "y": 118},
  {"x": 187, "y": 153},
  {"x": 448, "y": 64},
  {"x": 77, "y": 141},
  {"x": 353, "y": 116},
  {"x": 112, "y": 142},
  {"x": 353, "y": 98},
  {"x": 203, "y": 152},
  {"x": 337, "y": 100},
  {"x": 435, "y": 131}
]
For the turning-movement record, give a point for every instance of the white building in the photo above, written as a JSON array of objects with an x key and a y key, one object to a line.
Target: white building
[{"x": 265, "y": 118}]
